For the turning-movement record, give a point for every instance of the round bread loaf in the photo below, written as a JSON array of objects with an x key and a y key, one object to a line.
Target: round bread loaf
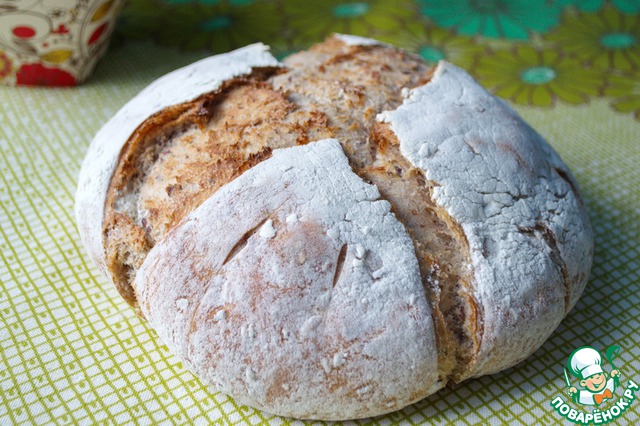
[{"x": 336, "y": 236}]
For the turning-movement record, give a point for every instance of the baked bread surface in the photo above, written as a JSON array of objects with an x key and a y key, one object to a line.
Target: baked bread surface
[{"x": 337, "y": 236}]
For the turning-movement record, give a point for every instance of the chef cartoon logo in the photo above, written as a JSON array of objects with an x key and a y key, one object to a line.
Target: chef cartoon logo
[
  {"x": 585, "y": 363},
  {"x": 589, "y": 384}
]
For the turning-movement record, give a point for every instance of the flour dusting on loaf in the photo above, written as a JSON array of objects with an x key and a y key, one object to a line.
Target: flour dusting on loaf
[
  {"x": 353, "y": 40},
  {"x": 512, "y": 197},
  {"x": 101, "y": 160},
  {"x": 326, "y": 305},
  {"x": 336, "y": 236}
]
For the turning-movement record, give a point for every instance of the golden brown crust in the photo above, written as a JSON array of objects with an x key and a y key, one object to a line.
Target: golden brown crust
[
  {"x": 181, "y": 156},
  {"x": 420, "y": 234}
]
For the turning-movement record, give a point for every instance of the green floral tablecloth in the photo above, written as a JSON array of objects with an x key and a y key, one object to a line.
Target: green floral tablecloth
[{"x": 72, "y": 352}]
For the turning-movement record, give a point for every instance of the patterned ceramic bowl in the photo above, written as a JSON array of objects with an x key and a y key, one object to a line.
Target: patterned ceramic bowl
[{"x": 53, "y": 42}]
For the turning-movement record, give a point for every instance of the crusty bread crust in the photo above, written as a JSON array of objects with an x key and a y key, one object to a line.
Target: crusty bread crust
[
  {"x": 103, "y": 156},
  {"x": 215, "y": 222},
  {"x": 530, "y": 239},
  {"x": 320, "y": 314}
]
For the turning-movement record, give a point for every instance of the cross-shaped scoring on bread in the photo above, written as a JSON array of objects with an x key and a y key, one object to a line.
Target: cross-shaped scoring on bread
[{"x": 337, "y": 236}]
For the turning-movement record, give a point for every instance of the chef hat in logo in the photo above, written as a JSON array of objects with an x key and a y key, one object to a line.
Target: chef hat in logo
[{"x": 585, "y": 362}]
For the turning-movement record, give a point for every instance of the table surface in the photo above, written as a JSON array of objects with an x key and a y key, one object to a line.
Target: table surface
[{"x": 72, "y": 352}]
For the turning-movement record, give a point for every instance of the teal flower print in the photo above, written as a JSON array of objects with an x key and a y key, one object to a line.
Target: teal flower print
[
  {"x": 625, "y": 6},
  {"x": 628, "y": 6},
  {"x": 528, "y": 76},
  {"x": 433, "y": 43},
  {"x": 208, "y": 25},
  {"x": 608, "y": 38},
  {"x": 583, "y": 5},
  {"x": 313, "y": 21},
  {"x": 513, "y": 19}
]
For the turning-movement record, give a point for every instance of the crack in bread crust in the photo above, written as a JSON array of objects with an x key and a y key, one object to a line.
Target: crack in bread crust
[
  {"x": 441, "y": 249},
  {"x": 497, "y": 177},
  {"x": 349, "y": 344},
  {"x": 544, "y": 233},
  {"x": 180, "y": 157},
  {"x": 420, "y": 234}
]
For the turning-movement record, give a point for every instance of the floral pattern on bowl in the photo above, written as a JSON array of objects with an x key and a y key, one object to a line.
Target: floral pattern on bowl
[{"x": 53, "y": 42}]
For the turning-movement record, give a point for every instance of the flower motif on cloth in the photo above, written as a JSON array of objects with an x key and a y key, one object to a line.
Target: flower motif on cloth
[
  {"x": 433, "y": 44},
  {"x": 530, "y": 76},
  {"x": 216, "y": 26},
  {"x": 625, "y": 88},
  {"x": 513, "y": 19},
  {"x": 583, "y": 5},
  {"x": 626, "y": 6},
  {"x": 606, "y": 39},
  {"x": 314, "y": 20}
]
